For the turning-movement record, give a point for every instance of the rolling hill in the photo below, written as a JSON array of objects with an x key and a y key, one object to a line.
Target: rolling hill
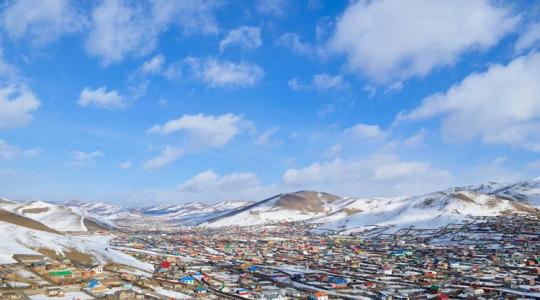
[{"x": 425, "y": 211}]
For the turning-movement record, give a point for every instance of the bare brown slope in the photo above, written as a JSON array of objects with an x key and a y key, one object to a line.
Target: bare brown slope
[
  {"x": 306, "y": 201},
  {"x": 92, "y": 226},
  {"x": 9, "y": 217}
]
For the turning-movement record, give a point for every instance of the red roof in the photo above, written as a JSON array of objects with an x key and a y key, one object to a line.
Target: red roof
[
  {"x": 165, "y": 264},
  {"x": 442, "y": 296}
]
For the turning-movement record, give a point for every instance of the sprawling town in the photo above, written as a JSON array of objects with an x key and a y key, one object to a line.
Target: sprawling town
[{"x": 486, "y": 258}]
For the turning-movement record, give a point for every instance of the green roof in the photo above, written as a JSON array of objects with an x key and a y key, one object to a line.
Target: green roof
[{"x": 60, "y": 273}]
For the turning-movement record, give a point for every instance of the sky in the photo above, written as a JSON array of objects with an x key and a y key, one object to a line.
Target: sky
[{"x": 146, "y": 102}]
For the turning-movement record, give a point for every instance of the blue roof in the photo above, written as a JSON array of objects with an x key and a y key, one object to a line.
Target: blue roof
[
  {"x": 338, "y": 280},
  {"x": 93, "y": 283},
  {"x": 187, "y": 278}
]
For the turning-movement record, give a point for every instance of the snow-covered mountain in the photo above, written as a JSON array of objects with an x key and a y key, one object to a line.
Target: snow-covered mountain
[
  {"x": 524, "y": 191},
  {"x": 58, "y": 217},
  {"x": 329, "y": 211},
  {"x": 22, "y": 235},
  {"x": 192, "y": 213},
  {"x": 425, "y": 211},
  {"x": 297, "y": 206},
  {"x": 171, "y": 211},
  {"x": 102, "y": 210}
]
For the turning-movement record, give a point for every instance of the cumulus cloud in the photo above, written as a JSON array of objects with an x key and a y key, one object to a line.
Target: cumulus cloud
[
  {"x": 167, "y": 156},
  {"x": 206, "y": 130},
  {"x": 377, "y": 175},
  {"x": 217, "y": 73},
  {"x": 17, "y": 104},
  {"x": 9, "y": 152},
  {"x": 120, "y": 28},
  {"x": 366, "y": 131},
  {"x": 499, "y": 106},
  {"x": 246, "y": 37},
  {"x": 101, "y": 98},
  {"x": 84, "y": 159},
  {"x": 41, "y": 21},
  {"x": 393, "y": 39}
]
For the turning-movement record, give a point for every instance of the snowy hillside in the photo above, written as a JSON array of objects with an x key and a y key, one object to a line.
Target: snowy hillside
[
  {"x": 427, "y": 211},
  {"x": 297, "y": 206},
  {"x": 22, "y": 240},
  {"x": 330, "y": 211},
  {"x": 524, "y": 191},
  {"x": 170, "y": 211},
  {"x": 192, "y": 213},
  {"x": 101, "y": 210},
  {"x": 57, "y": 217}
]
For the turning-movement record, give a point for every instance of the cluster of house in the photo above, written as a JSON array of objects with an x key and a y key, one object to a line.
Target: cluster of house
[
  {"x": 491, "y": 258},
  {"x": 42, "y": 276},
  {"x": 486, "y": 258}
]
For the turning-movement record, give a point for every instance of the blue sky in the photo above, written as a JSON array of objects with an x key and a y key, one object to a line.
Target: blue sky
[{"x": 142, "y": 102}]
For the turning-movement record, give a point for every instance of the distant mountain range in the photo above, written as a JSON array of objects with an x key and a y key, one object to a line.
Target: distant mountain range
[
  {"x": 35, "y": 226},
  {"x": 328, "y": 211}
]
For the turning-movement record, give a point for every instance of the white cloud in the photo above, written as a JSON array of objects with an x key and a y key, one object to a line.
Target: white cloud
[
  {"x": 500, "y": 105},
  {"x": 377, "y": 175},
  {"x": 320, "y": 82},
  {"x": 246, "y": 37},
  {"x": 125, "y": 165},
  {"x": 416, "y": 140},
  {"x": 530, "y": 38},
  {"x": 209, "y": 186},
  {"x": 9, "y": 152},
  {"x": 292, "y": 41},
  {"x": 84, "y": 159},
  {"x": 296, "y": 85},
  {"x": 266, "y": 137},
  {"x": 101, "y": 98},
  {"x": 276, "y": 8},
  {"x": 17, "y": 103},
  {"x": 41, "y": 21},
  {"x": 206, "y": 130},
  {"x": 152, "y": 66},
  {"x": 209, "y": 181},
  {"x": 225, "y": 73},
  {"x": 396, "y": 39},
  {"x": 120, "y": 29},
  {"x": 366, "y": 131},
  {"x": 168, "y": 155}
]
